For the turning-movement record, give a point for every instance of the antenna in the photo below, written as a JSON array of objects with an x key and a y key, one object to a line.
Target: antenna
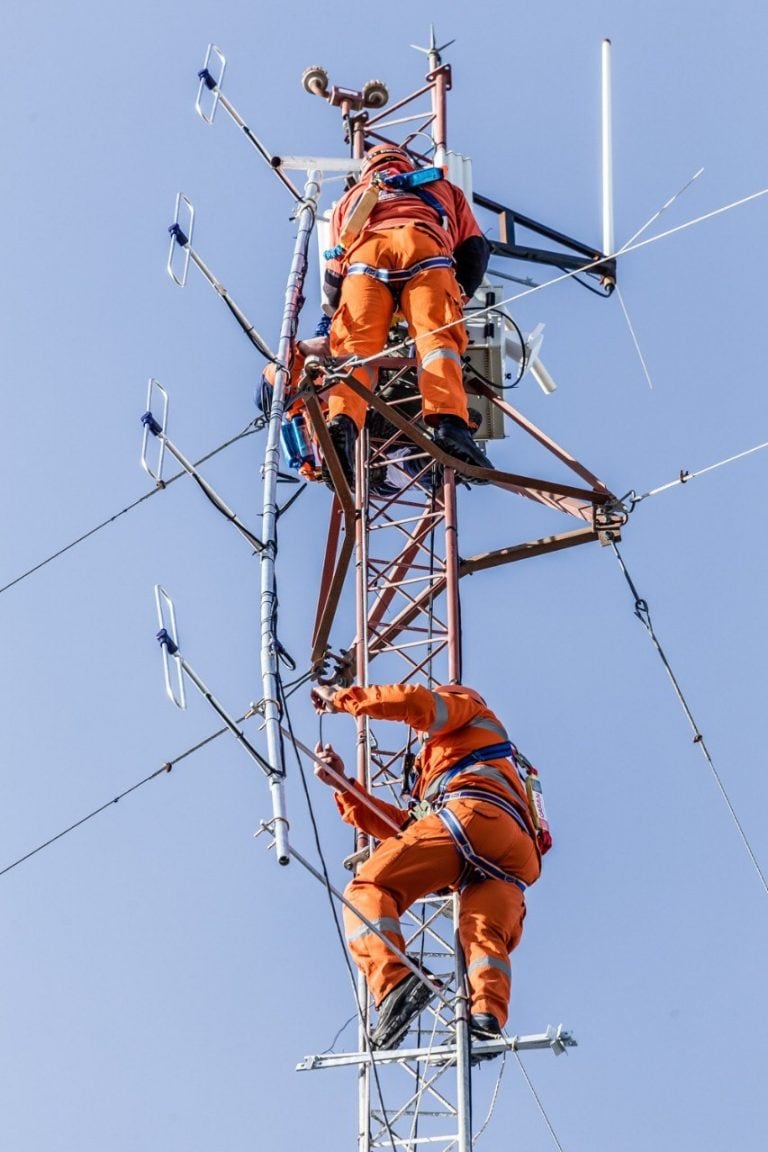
[
  {"x": 607, "y": 136},
  {"x": 433, "y": 52}
]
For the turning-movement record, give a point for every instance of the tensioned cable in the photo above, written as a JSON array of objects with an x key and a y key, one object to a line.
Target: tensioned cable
[
  {"x": 166, "y": 767},
  {"x": 633, "y": 334},
  {"x": 667, "y": 204},
  {"x": 169, "y": 764},
  {"x": 355, "y": 362},
  {"x": 644, "y": 616},
  {"x": 254, "y": 426},
  {"x": 684, "y": 476},
  {"x": 536, "y": 1097}
]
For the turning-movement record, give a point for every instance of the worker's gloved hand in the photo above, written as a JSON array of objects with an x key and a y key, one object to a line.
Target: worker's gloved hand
[
  {"x": 329, "y": 767},
  {"x": 322, "y": 698}
]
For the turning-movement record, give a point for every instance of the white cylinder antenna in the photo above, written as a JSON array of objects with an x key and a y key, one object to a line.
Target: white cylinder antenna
[{"x": 607, "y": 150}]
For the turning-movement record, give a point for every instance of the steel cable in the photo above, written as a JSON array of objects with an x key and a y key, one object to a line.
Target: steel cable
[
  {"x": 253, "y": 426},
  {"x": 644, "y": 616}
]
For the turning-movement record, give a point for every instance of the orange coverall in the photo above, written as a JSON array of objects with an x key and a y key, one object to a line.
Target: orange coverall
[
  {"x": 422, "y": 857},
  {"x": 401, "y": 231}
]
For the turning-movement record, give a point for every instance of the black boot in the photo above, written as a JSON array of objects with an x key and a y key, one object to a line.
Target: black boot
[
  {"x": 455, "y": 438},
  {"x": 397, "y": 1009},
  {"x": 484, "y": 1026},
  {"x": 343, "y": 433}
]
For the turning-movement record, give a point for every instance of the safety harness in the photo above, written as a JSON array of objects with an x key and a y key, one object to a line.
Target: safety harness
[
  {"x": 437, "y": 798},
  {"x": 398, "y": 184}
]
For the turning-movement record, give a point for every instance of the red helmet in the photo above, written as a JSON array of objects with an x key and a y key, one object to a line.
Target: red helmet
[
  {"x": 460, "y": 690},
  {"x": 385, "y": 156}
]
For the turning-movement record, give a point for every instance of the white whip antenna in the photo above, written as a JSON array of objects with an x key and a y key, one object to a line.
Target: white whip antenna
[{"x": 607, "y": 150}]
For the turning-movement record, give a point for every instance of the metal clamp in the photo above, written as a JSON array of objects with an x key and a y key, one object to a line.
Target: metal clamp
[
  {"x": 210, "y": 82},
  {"x": 169, "y": 642},
  {"x": 155, "y": 428},
  {"x": 181, "y": 237}
]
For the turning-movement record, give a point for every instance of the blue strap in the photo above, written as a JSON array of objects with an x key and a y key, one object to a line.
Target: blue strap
[
  {"x": 465, "y": 849},
  {"x": 502, "y": 751},
  {"x": 431, "y": 202}
]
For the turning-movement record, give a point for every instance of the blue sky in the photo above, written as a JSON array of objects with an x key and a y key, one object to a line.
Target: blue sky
[{"x": 161, "y": 975}]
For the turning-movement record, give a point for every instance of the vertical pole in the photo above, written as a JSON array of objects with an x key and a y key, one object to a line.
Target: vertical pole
[
  {"x": 463, "y": 1076},
  {"x": 607, "y": 150},
  {"x": 363, "y": 746},
  {"x": 305, "y": 217},
  {"x": 452, "y": 577},
  {"x": 439, "y": 110}
]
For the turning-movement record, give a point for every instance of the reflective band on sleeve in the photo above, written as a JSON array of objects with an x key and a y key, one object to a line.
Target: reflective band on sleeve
[
  {"x": 441, "y": 713},
  {"x": 490, "y": 962},
  {"x": 385, "y": 924}
]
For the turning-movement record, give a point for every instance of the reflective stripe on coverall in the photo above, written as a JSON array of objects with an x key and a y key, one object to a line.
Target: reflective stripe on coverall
[
  {"x": 422, "y": 858},
  {"x": 428, "y": 300}
]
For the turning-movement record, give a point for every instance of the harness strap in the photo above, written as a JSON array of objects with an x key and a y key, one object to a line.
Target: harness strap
[
  {"x": 432, "y": 202},
  {"x": 472, "y": 858},
  {"x": 503, "y": 751},
  {"x": 399, "y": 275},
  {"x": 490, "y": 798}
]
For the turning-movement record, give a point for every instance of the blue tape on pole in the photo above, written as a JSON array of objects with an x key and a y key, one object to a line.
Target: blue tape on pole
[
  {"x": 207, "y": 79},
  {"x": 166, "y": 641},
  {"x": 149, "y": 421},
  {"x": 178, "y": 235}
]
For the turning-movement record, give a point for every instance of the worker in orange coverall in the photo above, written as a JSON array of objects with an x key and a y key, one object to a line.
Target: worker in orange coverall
[
  {"x": 421, "y": 252},
  {"x": 484, "y": 802}
]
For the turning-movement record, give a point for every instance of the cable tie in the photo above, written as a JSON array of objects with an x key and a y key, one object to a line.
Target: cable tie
[{"x": 684, "y": 475}]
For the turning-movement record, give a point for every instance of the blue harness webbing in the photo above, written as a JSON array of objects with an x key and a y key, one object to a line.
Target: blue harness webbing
[
  {"x": 399, "y": 275},
  {"x": 472, "y": 858},
  {"x": 432, "y": 202}
]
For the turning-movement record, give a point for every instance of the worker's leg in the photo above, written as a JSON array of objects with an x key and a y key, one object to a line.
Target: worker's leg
[
  {"x": 430, "y": 301},
  {"x": 404, "y": 868},
  {"x": 359, "y": 328},
  {"x": 490, "y": 926},
  {"x": 492, "y": 912}
]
